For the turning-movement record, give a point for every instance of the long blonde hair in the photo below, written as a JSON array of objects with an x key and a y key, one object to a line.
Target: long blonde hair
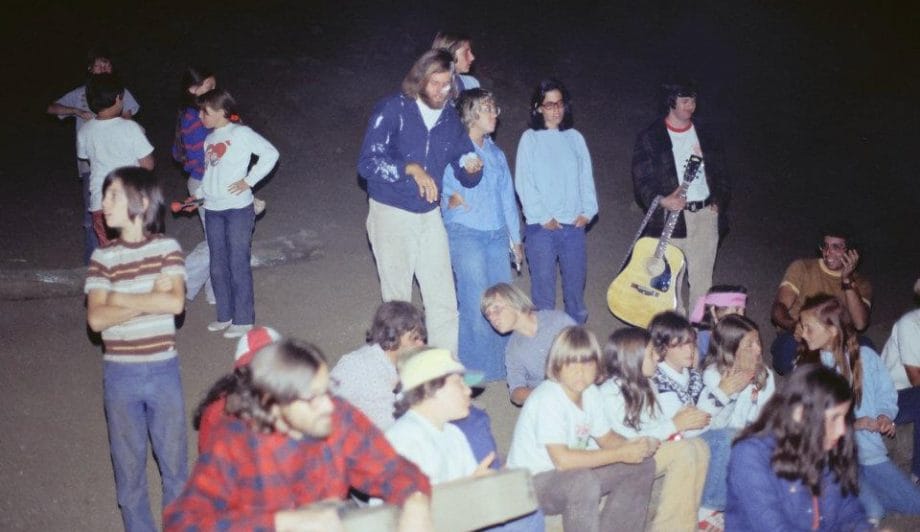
[{"x": 833, "y": 314}]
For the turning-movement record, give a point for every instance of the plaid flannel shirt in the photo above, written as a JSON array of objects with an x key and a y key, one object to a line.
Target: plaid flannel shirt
[{"x": 245, "y": 477}]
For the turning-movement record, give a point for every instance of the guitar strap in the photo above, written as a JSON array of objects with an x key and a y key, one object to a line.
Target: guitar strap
[{"x": 648, "y": 216}]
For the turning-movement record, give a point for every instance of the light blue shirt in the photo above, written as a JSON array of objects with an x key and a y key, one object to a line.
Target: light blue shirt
[
  {"x": 878, "y": 397},
  {"x": 489, "y": 205},
  {"x": 554, "y": 176}
]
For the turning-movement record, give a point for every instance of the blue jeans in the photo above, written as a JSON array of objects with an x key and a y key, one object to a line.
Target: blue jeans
[
  {"x": 90, "y": 241},
  {"x": 140, "y": 399},
  {"x": 715, "y": 491},
  {"x": 883, "y": 487},
  {"x": 785, "y": 348},
  {"x": 229, "y": 235},
  {"x": 566, "y": 245},
  {"x": 909, "y": 412},
  {"x": 479, "y": 260}
]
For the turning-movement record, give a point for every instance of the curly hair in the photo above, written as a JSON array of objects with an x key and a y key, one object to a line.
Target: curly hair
[
  {"x": 622, "y": 359},
  {"x": 834, "y": 315},
  {"x": 723, "y": 347},
  {"x": 392, "y": 320},
  {"x": 279, "y": 374},
  {"x": 469, "y": 105},
  {"x": 795, "y": 418}
]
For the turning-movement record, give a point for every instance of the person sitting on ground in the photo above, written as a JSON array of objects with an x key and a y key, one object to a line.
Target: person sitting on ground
[
  {"x": 829, "y": 337},
  {"x": 736, "y": 347},
  {"x": 211, "y": 409},
  {"x": 367, "y": 378},
  {"x": 286, "y": 444},
  {"x": 835, "y": 274},
  {"x": 795, "y": 467},
  {"x": 720, "y": 301},
  {"x": 509, "y": 310},
  {"x": 632, "y": 411},
  {"x": 902, "y": 358},
  {"x": 679, "y": 384},
  {"x": 563, "y": 438}
]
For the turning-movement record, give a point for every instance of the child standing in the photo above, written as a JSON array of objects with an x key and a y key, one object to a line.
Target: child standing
[
  {"x": 134, "y": 288},
  {"x": 228, "y": 204},
  {"x": 74, "y": 103},
  {"x": 108, "y": 142},
  {"x": 632, "y": 410},
  {"x": 563, "y": 438}
]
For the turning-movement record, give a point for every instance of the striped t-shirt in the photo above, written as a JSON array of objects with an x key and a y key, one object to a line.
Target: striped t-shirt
[{"x": 133, "y": 268}]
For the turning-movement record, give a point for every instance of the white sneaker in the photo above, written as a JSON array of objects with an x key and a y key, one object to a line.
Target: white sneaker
[
  {"x": 235, "y": 331},
  {"x": 215, "y": 326}
]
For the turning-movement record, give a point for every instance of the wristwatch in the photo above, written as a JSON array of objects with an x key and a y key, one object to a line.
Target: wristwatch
[{"x": 846, "y": 284}]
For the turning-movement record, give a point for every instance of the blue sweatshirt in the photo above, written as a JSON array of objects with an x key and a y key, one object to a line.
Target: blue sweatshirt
[
  {"x": 490, "y": 205},
  {"x": 396, "y": 136},
  {"x": 758, "y": 500},
  {"x": 554, "y": 176},
  {"x": 878, "y": 397}
]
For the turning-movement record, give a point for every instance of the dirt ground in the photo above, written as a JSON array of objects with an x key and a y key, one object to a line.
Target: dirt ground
[{"x": 817, "y": 103}]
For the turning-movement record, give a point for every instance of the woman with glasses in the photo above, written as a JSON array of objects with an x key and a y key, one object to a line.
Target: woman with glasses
[
  {"x": 556, "y": 187},
  {"x": 481, "y": 222}
]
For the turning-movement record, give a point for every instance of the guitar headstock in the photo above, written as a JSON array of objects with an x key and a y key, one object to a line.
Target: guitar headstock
[{"x": 692, "y": 168}]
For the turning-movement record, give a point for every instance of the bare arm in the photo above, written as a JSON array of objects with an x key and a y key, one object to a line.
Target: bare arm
[
  {"x": 785, "y": 298},
  {"x": 64, "y": 110},
  {"x": 859, "y": 311},
  {"x": 416, "y": 514},
  {"x": 913, "y": 374},
  {"x": 519, "y": 395},
  {"x": 147, "y": 161},
  {"x": 167, "y": 297},
  {"x": 100, "y": 314}
]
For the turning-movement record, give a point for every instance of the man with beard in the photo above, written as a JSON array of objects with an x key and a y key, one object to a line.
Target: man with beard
[
  {"x": 286, "y": 444},
  {"x": 835, "y": 274},
  {"x": 411, "y": 138}
]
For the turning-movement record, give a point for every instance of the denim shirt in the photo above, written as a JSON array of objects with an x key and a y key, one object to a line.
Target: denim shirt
[
  {"x": 878, "y": 398},
  {"x": 489, "y": 205}
]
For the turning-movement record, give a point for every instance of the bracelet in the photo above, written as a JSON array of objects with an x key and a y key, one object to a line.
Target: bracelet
[{"x": 846, "y": 285}]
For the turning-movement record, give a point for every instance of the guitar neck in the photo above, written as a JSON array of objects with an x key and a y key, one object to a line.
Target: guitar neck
[{"x": 690, "y": 170}]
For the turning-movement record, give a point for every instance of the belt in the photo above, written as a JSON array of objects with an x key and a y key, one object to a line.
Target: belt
[{"x": 694, "y": 206}]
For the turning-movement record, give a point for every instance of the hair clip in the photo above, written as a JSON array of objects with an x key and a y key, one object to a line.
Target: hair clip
[{"x": 234, "y": 117}]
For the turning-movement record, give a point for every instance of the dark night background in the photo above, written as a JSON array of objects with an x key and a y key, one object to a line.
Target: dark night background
[{"x": 817, "y": 102}]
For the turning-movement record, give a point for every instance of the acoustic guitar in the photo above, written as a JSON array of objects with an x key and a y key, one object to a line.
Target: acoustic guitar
[{"x": 648, "y": 283}]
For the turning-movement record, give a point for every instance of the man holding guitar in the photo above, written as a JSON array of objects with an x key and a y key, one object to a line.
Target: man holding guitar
[{"x": 660, "y": 151}]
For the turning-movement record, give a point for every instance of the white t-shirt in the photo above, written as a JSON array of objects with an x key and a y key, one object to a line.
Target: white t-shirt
[
  {"x": 429, "y": 116},
  {"x": 550, "y": 417},
  {"x": 443, "y": 455},
  {"x": 227, "y": 153},
  {"x": 77, "y": 99},
  {"x": 110, "y": 144},
  {"x": 366, "y": 378},
  {"x": 684, "y": 144},
  {"x": 903, "y": 348},
  {"x": 659, "y": 426}
]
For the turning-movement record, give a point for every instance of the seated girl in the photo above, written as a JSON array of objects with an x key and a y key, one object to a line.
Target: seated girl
[
  {"x": 719, "y": 301},
  {"x": 563, "y": 438},
  {"x": 632, "y": 410},
  {"x": 830, "y": 338},
  {"x": 736, "y": 347},
  {"x": 795, "y": 467},
  {"x": 678, "y": 384}
]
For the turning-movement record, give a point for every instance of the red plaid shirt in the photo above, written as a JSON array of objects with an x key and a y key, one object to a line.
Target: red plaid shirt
[{"x": 245, "y": 477}]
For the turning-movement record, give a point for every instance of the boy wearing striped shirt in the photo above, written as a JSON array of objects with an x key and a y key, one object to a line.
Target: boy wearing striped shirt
[{"x": 135, "y": 286}]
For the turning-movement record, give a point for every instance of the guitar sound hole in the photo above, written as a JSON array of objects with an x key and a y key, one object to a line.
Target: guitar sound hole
[{"x": 654, "y": 266}]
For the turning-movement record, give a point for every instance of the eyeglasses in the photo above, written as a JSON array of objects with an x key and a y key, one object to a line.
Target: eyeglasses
[
  {"x": 836, "y": 246},
  {"x": 491, "y": 109},
  {"x": 553, "y": 106}
]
